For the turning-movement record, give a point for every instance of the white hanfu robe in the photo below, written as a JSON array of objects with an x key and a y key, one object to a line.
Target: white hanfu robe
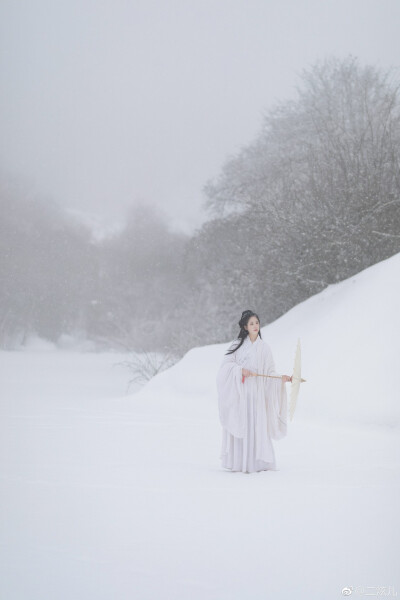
[{"x": 251, "y": 413}]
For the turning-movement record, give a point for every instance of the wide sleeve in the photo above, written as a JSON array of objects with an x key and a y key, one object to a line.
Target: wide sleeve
[
  {"x": 230, "y": 389},
  {"x": 276, "y": 400}
]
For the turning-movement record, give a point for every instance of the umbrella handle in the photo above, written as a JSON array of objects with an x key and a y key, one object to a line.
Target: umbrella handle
[{"x": 274, "y": 376}]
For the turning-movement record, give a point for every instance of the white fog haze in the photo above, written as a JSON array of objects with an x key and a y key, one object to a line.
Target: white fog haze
[
  {"x": 109, "y": 103},
  {"x": 176, "y": 175}
]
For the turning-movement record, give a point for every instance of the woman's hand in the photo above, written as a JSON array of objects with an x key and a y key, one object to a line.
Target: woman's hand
[
  {"x": 247, "y": 373},
  {"x": 286, "y": 378}
]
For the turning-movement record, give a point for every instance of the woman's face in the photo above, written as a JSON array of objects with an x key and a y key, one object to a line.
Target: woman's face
[{"x": 253, "y": 325}]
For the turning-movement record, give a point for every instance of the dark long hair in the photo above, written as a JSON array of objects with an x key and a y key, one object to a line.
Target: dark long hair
[{"x": 243, "y": 333}]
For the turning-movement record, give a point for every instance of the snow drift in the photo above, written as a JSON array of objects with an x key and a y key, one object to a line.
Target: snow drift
[{"x": 112, "y": 496}]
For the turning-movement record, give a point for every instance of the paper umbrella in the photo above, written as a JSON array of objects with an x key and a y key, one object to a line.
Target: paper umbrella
[{"x": 296, "y": 380}]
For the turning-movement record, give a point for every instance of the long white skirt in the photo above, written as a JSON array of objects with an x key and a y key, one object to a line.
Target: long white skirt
[{"x": 239, "y": 454}]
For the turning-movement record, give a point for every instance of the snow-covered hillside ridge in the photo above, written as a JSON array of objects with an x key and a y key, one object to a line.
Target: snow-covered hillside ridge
[{"x": 349, "y": 336}]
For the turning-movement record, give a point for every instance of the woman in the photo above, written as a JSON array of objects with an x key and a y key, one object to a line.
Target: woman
[{"x": 252, "y": 410}]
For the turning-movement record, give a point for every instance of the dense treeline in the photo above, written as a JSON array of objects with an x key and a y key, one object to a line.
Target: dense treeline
[
  {"x": 314, "y": 199},
  {"x": 47, "y": 268}
]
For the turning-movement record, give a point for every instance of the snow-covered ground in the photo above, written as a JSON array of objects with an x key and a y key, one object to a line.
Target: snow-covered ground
[{"x": 109, "y": 495}]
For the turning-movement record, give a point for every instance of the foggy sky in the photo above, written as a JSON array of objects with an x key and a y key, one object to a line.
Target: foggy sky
[{"x": 109, "y": 102}]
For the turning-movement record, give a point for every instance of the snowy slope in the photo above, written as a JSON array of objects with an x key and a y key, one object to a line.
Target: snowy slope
[
  {"x": 110, "y": 496},
  {"x": 349, "y": 334}
]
